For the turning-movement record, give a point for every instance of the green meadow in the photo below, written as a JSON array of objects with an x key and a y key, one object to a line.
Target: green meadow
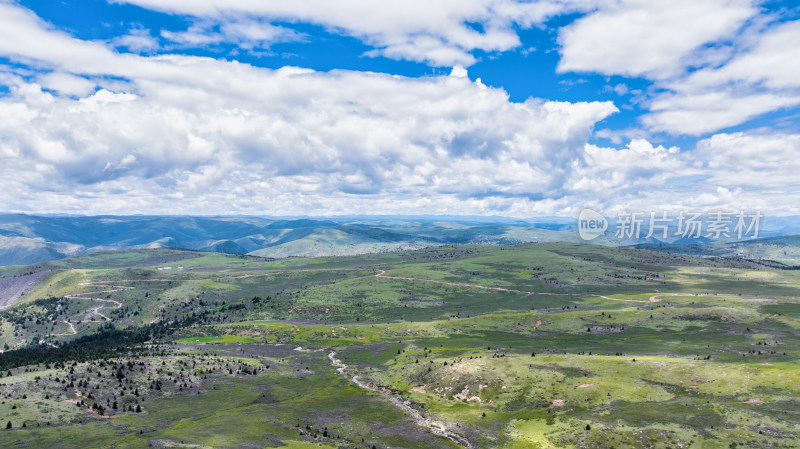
[{"x": 544, "y": 345}]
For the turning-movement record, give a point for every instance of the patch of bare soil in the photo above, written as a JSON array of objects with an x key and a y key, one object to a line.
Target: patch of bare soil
[
  {"x": 601, "y": 330},
  {"x": 14, "y": 287}
]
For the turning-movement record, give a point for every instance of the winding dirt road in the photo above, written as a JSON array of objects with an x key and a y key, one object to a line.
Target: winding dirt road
[
  {"x": 95, "y": 310},
  {"x": 72, "y": 328},
  {"x": 658, "y": 297}
]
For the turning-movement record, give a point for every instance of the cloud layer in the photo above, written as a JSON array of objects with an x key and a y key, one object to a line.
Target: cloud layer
[
  {"x": 281, "y": 138},
  {"x": 85, "y": 128},
  {"x": 714, "y": 64},
  {"x": 443, "y": 32}
]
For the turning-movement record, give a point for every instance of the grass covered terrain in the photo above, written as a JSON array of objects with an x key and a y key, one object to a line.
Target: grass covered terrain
[{"x": 536, "y": 345}]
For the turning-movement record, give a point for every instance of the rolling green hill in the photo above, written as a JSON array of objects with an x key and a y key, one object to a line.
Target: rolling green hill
[{"x": 474, "y": 346}]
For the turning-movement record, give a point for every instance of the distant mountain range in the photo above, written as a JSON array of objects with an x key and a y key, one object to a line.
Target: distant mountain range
[
  {"x": 28, "y": 239},
  {"x": 785, "y": 250}
]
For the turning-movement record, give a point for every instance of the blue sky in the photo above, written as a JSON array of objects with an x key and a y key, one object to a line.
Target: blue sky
[{"x": 478, "y": 107}]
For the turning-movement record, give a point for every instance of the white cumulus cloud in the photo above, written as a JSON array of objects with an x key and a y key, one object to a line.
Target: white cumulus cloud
[
  {"x": 85, "y": 128},
  {"x": 647, "y": 37},
  {"x": 713, "y": 64},
  {"x": 442, "y": 32}
]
